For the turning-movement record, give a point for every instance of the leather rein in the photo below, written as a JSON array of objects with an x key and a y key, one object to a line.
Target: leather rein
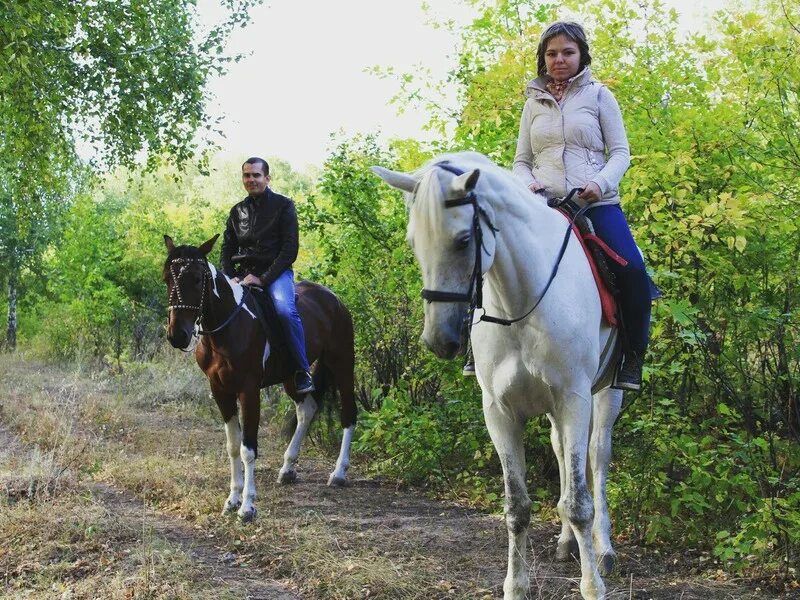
[
  {"x": 474, "y": 294},
  {"x": 177, "y": 267}
]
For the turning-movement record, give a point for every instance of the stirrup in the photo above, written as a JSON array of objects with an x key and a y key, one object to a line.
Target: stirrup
[{"x": 303, "y": 383}]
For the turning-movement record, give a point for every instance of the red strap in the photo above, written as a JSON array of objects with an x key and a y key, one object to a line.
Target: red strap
[{"x": 605, "y": 248}]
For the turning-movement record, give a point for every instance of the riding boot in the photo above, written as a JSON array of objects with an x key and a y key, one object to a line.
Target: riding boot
[
  {"x": 629, "y": 376},
  {"x": 469, "y": 364}
]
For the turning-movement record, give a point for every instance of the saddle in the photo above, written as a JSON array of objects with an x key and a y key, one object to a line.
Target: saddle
[
  {"x": 264, "y": 307},
  {"x": 597, "y": 253},
  {"x": 268, "y": 317}
]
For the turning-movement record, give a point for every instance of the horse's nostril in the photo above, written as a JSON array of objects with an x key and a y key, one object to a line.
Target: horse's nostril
[
  {"x": 178, "y": 339},
  {"x": 451, "y": 349}
]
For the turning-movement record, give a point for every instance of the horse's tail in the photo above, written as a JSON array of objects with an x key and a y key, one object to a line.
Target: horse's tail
[{"x": 322, "y": 394}]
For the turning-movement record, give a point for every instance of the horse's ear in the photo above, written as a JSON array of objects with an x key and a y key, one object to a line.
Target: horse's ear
[
  {"x": 206, "y": 246},
  {"x": 466, "y": 182},
  {"x": 169, "y": 243},
  {"x": 396, "y": 179}
]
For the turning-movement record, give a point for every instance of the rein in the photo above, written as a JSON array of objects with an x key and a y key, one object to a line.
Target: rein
[
  {"x": 176, "y": 292},
  {"x": 474, "y": 294}
]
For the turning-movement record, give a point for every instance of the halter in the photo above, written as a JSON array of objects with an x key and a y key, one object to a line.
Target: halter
[
  {"x": 180, "y": 265},
  {"x": 474, "y": 294}
]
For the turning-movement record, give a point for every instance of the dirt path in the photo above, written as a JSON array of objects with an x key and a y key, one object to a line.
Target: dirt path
[
  {"x": 468, "y": 548},
  {"x": 367, "y": 540},
  {"x": 217, "y": 564}
]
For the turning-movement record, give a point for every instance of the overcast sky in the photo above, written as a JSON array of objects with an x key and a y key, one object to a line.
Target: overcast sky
[{"x": 305, "y": 76}]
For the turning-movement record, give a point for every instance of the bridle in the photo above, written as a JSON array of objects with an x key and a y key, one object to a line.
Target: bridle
[
  {"x": 177, "y": 267},
  {"x": 474, "y": 293}
]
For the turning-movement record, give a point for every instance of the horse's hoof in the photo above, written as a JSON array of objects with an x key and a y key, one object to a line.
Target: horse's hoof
[
  {"x": 608, "y": 562},
  {"x": 248, "y": 516},
  {"x": 287, "y": 476},
  {"x": 567, "y": 550},
  {"x": 229, "y": 507},
  {"x": 334, "y": 481}
]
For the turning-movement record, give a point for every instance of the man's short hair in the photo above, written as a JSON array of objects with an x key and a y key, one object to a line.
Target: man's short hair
[{"x": 254, "y": 160}]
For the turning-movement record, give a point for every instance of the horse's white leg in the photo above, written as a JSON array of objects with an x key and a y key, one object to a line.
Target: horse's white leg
[
  {"x": 567, "y": 544},
  {"x": 250, "y": 406},
  {"x": 305, "y": 410},
  {"x": 607, "y": 404},
  {"x": 339, "y": 474},
  {"x": 573, "y": 413},
  {"x": 233, "y": 435},
  {"x": 506, "y": 436},
  {"x": 247, "y": 511}
]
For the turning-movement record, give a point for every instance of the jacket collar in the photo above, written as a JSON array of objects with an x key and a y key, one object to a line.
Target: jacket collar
[
  {"x": 537, "y": 87},
  {"x": 259, "y": 198}
]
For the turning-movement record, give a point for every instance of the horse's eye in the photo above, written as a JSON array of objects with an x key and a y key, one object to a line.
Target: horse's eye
[{"x": 462, "y": 243}]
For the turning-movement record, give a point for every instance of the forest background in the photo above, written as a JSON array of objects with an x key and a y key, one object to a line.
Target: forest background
[{"x": 706, "y": 456}]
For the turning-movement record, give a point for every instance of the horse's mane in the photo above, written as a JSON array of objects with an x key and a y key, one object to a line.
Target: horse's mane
[{"x": 427, "y": 200}]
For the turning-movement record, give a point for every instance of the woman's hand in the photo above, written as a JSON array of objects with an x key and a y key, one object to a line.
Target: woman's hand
[
  {"x": 591, "y": 192},
  {"x": 535, "y": 187}
]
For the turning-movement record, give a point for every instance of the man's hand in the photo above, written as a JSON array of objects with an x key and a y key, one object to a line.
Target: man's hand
[
  {"x": 251, "y": 279},
  {"x": 591, "y": 192}
]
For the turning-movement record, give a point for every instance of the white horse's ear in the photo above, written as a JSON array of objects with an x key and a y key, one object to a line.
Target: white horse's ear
[
  {"x": 206, "y": 246},
  {"x": 466, "y": 182},
  {"x": 396, "y": 179}
]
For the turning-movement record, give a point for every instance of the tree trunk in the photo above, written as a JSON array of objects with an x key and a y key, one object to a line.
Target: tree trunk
[{"x": 11, "y": 331}]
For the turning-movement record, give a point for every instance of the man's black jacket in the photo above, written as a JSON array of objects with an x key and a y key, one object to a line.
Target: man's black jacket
[{"x": 265, "y": 229}]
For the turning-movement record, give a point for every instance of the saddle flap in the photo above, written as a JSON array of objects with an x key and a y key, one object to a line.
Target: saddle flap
[
  {"x": 595, "y": 250},
  {"x": 268, "y": 317}
]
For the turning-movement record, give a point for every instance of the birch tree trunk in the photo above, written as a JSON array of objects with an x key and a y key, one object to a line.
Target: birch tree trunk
[{"x": 11, "y": 330}]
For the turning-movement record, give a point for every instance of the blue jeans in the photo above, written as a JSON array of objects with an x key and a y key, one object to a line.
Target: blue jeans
[
  {"x": 632, "y": 280},
  {"x": 282, "y": 293}
]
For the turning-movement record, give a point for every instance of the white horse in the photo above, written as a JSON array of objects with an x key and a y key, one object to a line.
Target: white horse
[{"x": 549, "y": 362}]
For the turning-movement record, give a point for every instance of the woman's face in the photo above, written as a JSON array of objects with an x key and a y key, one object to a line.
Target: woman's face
[{"x": 562, "y": 58}]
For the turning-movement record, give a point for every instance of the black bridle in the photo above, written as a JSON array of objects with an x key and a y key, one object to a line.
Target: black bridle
[
  {"x": 474, "y": 294},
  {"x": 177, "y": 266}
]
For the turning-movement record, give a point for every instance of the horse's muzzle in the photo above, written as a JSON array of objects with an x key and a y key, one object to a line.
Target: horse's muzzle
[
  {"x": 447, "y": 349},
  {"x": 179, "y": 338},
  {"x": 448, "y": 340}
]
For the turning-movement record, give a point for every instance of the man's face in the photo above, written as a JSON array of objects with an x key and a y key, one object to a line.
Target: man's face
[{"x": 253, "y": 178}]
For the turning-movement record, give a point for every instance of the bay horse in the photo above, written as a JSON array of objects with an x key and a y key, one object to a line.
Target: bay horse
[
  {"x": 235, "y": 355},
  {"x": 469, "y": 220}
]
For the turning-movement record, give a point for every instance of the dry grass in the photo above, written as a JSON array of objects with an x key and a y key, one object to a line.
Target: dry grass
[{"x": 66, "y": 429}]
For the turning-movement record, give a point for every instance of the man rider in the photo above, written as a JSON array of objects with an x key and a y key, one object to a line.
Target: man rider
[{"x": 263, "y": 227}]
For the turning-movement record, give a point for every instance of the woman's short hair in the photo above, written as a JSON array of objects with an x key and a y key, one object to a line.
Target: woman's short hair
[{"x": 570, "y": 30}]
